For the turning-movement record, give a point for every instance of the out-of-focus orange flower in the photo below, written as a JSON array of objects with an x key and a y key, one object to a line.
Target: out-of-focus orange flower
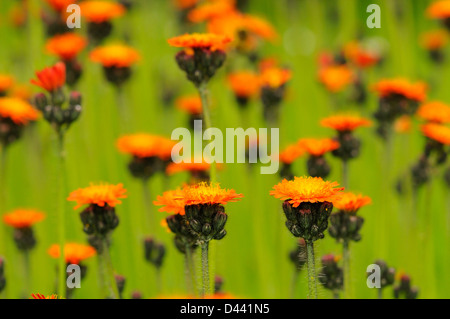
[
  {"x": 191, "y": 104},
  {"x": 275, "y": 77},
  {"x": 19, "y": 111},
  {"x": 400, "y": 86},
  {"x": 439, "y": 9},
  {"x": 203, "y": 166},
  {"x": 60, "y": 5},
  {"x": 41, "y": 296},
  {"x": 204, "y": 194},
  {"x": 165, "y": 225},
  {"x": 435, "y": 111},
  {"x": 211, "y": 10},
  {"x": 244, "y": 84},
  {"x": 21, "y": 218},
  {"x": 437, "y": 132},
  {"x": 18, "y": 14},
  {"x": 403, "y": 124},
  {"x": 74, "y": 253},
  {"x": 21, "y": 91},
  {"x": 359, "y": 56},
  {"x": 259, "y": 27},
  {"x": 434, "y": 40},
  {"x": 6, "y": 82},
  {"x": 115, "y": 55},
  {"x": 146, "y": 145},
  {"x": 52, "y": 78},
  {"x": 336, "y": 77},
  {"x": 172, "y": 202},
  {"x": 345, "y": 122},
  {"x": 66, "y": 46},
  {"x": 101, "y": 11},
  {"x": 200, "y": 40},
  {"x": 185, "y": 4},
  {"x": 100, "y": 195},
  {"x": 291, "y": 153},
  {"x": 318, "y": 147},
  {"x": 306, "y": 189},
  {"x": 351, "y": 203}
]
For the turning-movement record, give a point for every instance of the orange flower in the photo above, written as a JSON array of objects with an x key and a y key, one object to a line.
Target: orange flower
[
  {"x": 291, "y": 153},
  {"x": 74, "y": 253},
  {"x": 204, "y": 194},
  {"x": 259, "y": 27},
  {"x": 354, "y": 52},
  {"x": 51, "y": 78},
  {"x": 306, "y": 189},
  {"x": 436, "y": 112},
  {"x": 165, "y": 225},
  {"x": 434, "y": 40},
  {"x": 336, "y": 77},
  {"x": 275, "y": 77},
  {"x": 439, "y": 9},
  {"x": 403, "y": 124},
  {"x": 174, "y": 168},
  {"x": 344, "y": 122},
  {"x": 351, "y": 203},
  {"x": 437, "y": 132},
  {"x": 211, "y": 10},
  {"x": 200, "y": 40},
  {"x": 21, "y": 91},
  {"x": 399, "y": 86},
  {"x": 60, "y": 5},
  {"x": 18, "y": 110},
  {"x": 100, "y": 195},
  {"x": 318, "y": 147},
  {"x": 146, "y": 145},
  {"x": 41, "y": 296},
  {"x": 21, "y": 218},
  {"x": 6, "y": 82},
  {"x": 66, "y": 46},
  {"x": 115, "y": 55},
  {"x": 244, "y": 83},
  {"x": 101, "y": 11},
  {"x": 172, "y": 202},
  {"x": 185, "y": 4},
  {"x": 191, "y": 104}
]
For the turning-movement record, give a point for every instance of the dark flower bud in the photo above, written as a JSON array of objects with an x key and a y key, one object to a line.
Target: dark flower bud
[
  {"x": 120, "y": 281},
  {"x": 219, "y": 221},
  {"x": 40, "y": 100},
  {"x": 24, "y": 238},
  {"x": 220, "y": 235},
  {"x": 206, "y": 229},
  {"x": 136, "y": 295}
]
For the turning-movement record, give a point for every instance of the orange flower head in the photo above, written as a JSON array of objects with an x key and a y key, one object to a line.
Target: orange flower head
[
  {"x": 344, "y": 123},
  {"x": 244, "y": 84},
  {"x": 437, "y": 132},
  {"x": 203, "y": 166},
  {"x": 115, "y": 55},
  {"x": 275, "y": 77},
  {"x": 41, "y": 296},
  {"x": 318, "y": 147},
  {"x": 259, "y": 27},
  {"x": 436, "y": 112},
  {"x": 100, "y": 195},
  {"x": 172, "y": 202},
  {"x": 351, "y": 203},
  {"x": 306, "y": 189},
  {"x": 200, "y": 40},
  {"x": 101, "y": 11},
  {"x": 22, "y": 218},
  {"x": 60, "y": 5},
  {"x": 74, "y": 253},
  {"x": 18, "y": 110},
  {"x": 146, "y": 145},
  {"x": 211, "y": 10},
  {"x": 291, "y": 153},
  {"x": 191, "y": 104},
  {"x": 209, "y": 194},
  {"x": 403, "y": 124},
  {"x": 439, "y": 9},
  {"x": 6, "y": 82},
  {"x": 66, "y": 46},
  {"x": 434, "y": 40},
  {"x": 336, "y": 77},
  {"x": 399, "y": 86},
  {"x": 359, "y": 56},
  {"x": 51, "y": 78},
  {"x": 185, "y": 4}
]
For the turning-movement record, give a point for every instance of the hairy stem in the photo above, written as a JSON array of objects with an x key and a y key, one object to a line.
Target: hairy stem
[
  {"x": 62, "y": 182},
  {"x": 109, "y": 281},
  {"x": 346, "y": 264},
  {"x": 312, "y": 277},
  {"x": 345, "y": 176},
  {"x": 205, "y": 270},
  {"x": 203, "y": 91}
]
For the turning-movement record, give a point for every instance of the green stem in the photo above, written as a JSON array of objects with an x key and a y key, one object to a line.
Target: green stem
[
  {"x": 112, "y": 285},
  {"x": 380, "y": 293},
  {"x": 336, "y": 295},
  {"x": 61, "y": 214},
  {"x": 190, "y": 271},
  {"x": 205, "y": 270},
  {"x": 27, "y": 274},
  {"x": 203, "y": 91},
  {"x": 150, "y": 218},
  {"x": 346, "y": 264},
  {"x": 312, "y": 277},
  {"x": 345, "y": 176}
]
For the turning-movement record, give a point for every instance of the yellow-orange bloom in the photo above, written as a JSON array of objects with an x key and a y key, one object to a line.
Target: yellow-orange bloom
[
  {"x": 146, "y": 145},
  {"x": 434, "y": 40},
  {"x": 244, "y": 83},
  {"x": 318, "y": 147},
  {"x": 115, "y": 55},
  {"x": 74, "y": 253},
  {"x": 306, "y": 189},
  {"x": 211, "y": 10},
  {"x": 66, "y": 46},
  {"x": 19, "y": 111},
  {"x": 351, "y": 203},
  {"x": 436, "y": 112},
  {"x": 259, "y": 27},
  {"x": 172, "y": 202},
  {"x": 21, "y": 218},
  {"x": 437, "y": 132},
  {"x": 203, "y": 166},
  {"x": 200, "y": 40},
  {"x": 191, "y": 104},
  {"x": 291, "y": 153},
  {"x": 41, "y": 296},
  {"x": 60, "y": 5},
  {"x": 399, "y": 86},
  {"x": 6, "y": 82},
  {"x": 275, "y": 77},
  {"x": 439, "y": 9},
  {"x": 101, "y": 11},
  {"x": 204, "y": 194},
  {"x": 344, "y": 122},
  {"x": 100, "y": 195},
  {"x": 336, "y": 77}
]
